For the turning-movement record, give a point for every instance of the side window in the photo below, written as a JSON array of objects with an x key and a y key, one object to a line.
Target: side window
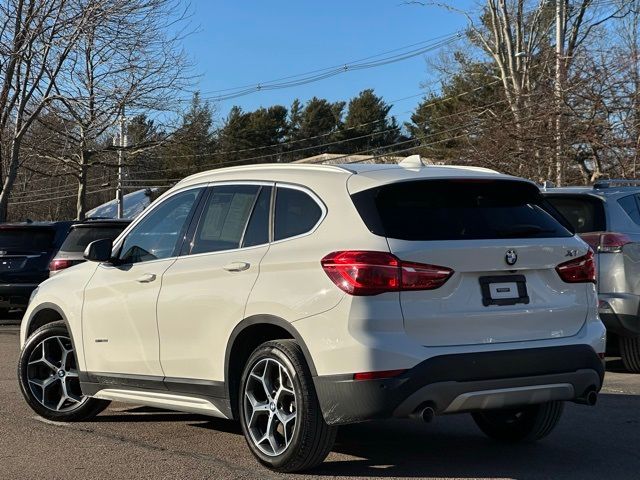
[
  {"x": 630, "y": 205},
  {"x": 295, "y": 213},
  {"x": 257, "y": 232},
  {"x": 157, "y": 235},
  {"x": 224, "y": 218}
]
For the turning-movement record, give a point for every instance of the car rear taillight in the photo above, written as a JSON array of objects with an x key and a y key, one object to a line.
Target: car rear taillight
[
  {"x": 578, "y": 270},
  {"x": 606, "y": 242},
  {"x": 59, "y": 264},
  {"x": 370, "y": 273}
]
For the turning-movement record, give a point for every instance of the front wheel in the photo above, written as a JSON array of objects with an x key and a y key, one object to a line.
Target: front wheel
[
  {"x": 48, "y": 375},
  {"x": 279, "y": 410},
  {"x": 528, "y": 423}
]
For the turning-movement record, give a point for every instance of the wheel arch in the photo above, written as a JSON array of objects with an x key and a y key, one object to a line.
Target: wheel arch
[
  {"x": 44, "y": 314},
  {"x": 245, "y": 337}
]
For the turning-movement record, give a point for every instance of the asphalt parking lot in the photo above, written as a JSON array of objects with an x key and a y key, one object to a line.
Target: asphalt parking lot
[{"x": 129, "y": 442}]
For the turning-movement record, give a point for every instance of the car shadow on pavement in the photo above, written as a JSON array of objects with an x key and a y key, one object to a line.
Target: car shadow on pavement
[
  {"x": 589, "y": 443},
  {"x": 152, "y": 414}
]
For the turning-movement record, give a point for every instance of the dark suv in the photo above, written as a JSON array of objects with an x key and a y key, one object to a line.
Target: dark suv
[
  {"x": 81, "y": 235},
  {"x": 25, "y": 252}
]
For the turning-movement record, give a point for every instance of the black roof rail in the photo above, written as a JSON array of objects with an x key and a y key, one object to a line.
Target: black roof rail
[{"x": 617, "y": 182}]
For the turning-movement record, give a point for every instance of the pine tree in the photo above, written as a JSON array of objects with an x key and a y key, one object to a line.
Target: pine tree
[{"x": 367, "y": 126}]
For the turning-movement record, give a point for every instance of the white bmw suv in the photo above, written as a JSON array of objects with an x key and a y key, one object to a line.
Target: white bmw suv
[{"x": 296, "y": 298}]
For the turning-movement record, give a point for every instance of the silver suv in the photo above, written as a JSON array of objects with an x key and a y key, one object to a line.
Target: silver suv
[{"x": 607, "y": 217}]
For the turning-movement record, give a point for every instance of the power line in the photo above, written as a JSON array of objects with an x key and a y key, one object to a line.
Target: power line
[
  {"x": 280, "y": 145},
  {"x": 322, "y": 74}
]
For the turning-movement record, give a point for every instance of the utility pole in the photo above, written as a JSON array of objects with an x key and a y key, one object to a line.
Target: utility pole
[
  {"x": 559, "y": 88},
  {"x": 122, "y": 144}
]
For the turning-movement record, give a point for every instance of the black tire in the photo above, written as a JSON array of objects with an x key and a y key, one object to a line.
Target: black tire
[
  {"x": 85, "y": 409},
  {"x": 525, "y": 424},
  {"x": 630, "y": 353},
  {"x": 312, "y": 439}
]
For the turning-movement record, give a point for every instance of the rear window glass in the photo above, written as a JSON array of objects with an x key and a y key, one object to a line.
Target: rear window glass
[
  {"x": 80, "y": 237},
  {"x": 26, "y": 239},
  {"x": 457, "y": 210},
  {"x": 586, "y": 214}
]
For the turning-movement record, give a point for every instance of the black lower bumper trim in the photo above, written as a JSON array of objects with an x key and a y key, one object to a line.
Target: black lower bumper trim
[{"x": 344, "y": 400}]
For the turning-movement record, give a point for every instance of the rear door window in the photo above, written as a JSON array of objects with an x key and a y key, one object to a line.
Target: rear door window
[
  {"x": 457, "y": 210},
  {"x": 257, "y": 232},
  {"x": 296, "y": 213},
  {"x": 584, "y": 212},
  {"x": 224, "y": 218}
]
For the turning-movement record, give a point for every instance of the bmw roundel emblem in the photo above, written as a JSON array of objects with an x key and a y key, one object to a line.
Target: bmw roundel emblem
[{"x": 511, "y": 257}]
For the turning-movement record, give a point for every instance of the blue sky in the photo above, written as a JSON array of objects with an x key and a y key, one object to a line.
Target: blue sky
[{"x": 240, "y": 42}]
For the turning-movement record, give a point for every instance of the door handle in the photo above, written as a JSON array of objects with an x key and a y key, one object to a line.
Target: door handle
[
  {"x": 146, "y": 278},
  {"x": 237, "y": 266}
]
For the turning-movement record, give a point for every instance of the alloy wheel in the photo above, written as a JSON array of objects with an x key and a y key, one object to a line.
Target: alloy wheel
[
  {"x": 270, "y": 407},
  {"x": 52, "y": 375}
]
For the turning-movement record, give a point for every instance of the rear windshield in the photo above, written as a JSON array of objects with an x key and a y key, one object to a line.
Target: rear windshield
[
  {"x": 79, "y": 238},
  {"x": 458, "y": 210},
  {"x": 26, "y": 239},
  {"x": 584, "y": 213}
]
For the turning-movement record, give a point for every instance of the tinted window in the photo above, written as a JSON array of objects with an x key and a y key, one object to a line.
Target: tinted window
[
  {"x": 585, "y": 213},
  {"x": 80, "y": 237},
  {"x": 26, "y": 239},
  {"x": 296, "y": 213},
  {"x": 224, "y": 218},
  {"x": 157, "y": 235},
  {"x": 630, "y": 205},
  {"x": 258, "y": 228},
  {"x": 457, "y": 210}
]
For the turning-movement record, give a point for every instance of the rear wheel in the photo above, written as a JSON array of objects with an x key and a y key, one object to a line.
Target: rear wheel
[
  {"x": 630, "y": 353},
  {"x": 48, "y": 374},
  {"x": 529, "y": 423},
  {"x": 279, "y": 410}
]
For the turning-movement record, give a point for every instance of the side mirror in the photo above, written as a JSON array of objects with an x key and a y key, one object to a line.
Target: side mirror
[{"x": 99, "y": 250}]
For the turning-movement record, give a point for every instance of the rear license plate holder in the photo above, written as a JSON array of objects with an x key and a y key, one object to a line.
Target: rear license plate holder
[{"x": 498, "y": 290}]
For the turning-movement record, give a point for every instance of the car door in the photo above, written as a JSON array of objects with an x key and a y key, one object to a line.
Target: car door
[
  {"x": 205, "y": 291},
  {"x": 120, "y": 331}
]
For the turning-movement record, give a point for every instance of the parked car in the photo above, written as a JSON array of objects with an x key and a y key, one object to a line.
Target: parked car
[
  {"x": 296, "y": 298},
  {"x": 607, "y": 217},
  {"x": 82, "y": 234},
  {"x": 25, "y": 252}
]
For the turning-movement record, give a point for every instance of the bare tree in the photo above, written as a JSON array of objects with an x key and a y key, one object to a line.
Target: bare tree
[
  {"x": 533, "y": 43},
  {"x": 125, "y": 61},
  {"x": 36, "y": 39}
]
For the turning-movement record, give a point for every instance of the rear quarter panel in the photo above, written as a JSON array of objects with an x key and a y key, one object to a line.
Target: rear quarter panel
[{"x": 292, "y": 284}]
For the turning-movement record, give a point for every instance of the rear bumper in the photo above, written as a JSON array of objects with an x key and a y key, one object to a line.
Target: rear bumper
[
  {"x": 620, "y": 312},
  {"x": 16, "y": 295},
  {"x": 465, "y": 382}
]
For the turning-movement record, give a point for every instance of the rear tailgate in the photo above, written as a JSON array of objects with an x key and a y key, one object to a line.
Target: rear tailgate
[
  {"x": 25, "y": 253},
  {"x": 460, "y": 313},
  {"x": 504, "y": 248}
]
